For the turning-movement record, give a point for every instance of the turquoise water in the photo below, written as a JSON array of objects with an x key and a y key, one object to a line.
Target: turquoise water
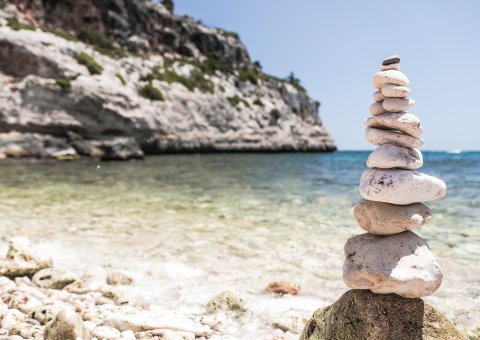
[{"x": 196, "y": 225}]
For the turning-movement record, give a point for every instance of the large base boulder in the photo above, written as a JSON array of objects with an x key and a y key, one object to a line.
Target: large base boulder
[{"x": 361, "y": 314}]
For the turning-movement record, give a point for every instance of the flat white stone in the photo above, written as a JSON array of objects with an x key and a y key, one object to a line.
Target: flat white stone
[
  {"x": 390, "y": 67},
  {"x": 401, "y": 121},
  {"x": 378, "y": 97},
  {"x": 395, "y": 91},
  {"x": 390, "y": 77},
  {"x": 398, "y": 186},
  {"x": 379, "y": 137},
  {"x": 382, "y": 218},
  {"x": 401, "y": 264},
  {"x": 397, "y": 104},
  {"x": 376, "y": 109},
  {"x": 389, "y": 156}
]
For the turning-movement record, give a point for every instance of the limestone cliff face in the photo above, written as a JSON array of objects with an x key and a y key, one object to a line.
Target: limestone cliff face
[{"x": 118, "y": 79}]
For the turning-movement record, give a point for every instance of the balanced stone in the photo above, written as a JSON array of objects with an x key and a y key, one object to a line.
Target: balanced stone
[
  {"x": 390, "y": 77},
  {"x": 397, "y": 104},
  {"x": 389, "y": 156},
  {"x": 376, "y": 109},
  {"x": 386, "y": 219},
  {"x": 395, "y": 91},
  {"x": 379, "y": 137},
  {"x": 400, "y": 264},
  {"x": 378, "y": 97},
  {"x": 390, "y": 67},
  {"x": 400, "y": 121},
  {"x": 397, "y": 186},
  {"x": 393, "y": 59}
]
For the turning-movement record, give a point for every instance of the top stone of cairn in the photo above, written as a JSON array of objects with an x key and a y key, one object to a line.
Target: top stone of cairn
[{"x": 393, "y": 59}]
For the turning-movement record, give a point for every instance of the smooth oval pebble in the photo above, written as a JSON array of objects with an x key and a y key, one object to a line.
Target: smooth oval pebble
[
  {"x": 393, "y": 59},
  {"x": 395, "y": 91},
  {"x": 379, "y": 137},
  {"x": 387, "y": 219},
  {"x": 397, "y": 186},
  {"x": 390, "y": 77},
  {"x": 400, "y": 121},
  {"x": 378, "y": 97},
  {"x": 390, "y": 67},
  {"x": 389, "y": 156},
  {"x": 402, "y": 264},
  {"x": 376, "y": 109},
  {"x": 397, "y": 104}
]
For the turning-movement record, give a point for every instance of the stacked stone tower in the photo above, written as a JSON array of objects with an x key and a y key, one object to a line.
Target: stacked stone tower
[
  {"x": 390, "y": 258},
  {"x": 389, "y": 267}
]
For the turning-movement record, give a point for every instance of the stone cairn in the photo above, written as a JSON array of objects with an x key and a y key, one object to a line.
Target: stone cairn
[
  {"x": 389, "y": 267},
  {"x": 390, "y": 258}
]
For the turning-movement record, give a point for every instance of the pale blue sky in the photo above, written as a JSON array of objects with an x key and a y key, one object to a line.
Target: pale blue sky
[{"x": 335, "y": 47}]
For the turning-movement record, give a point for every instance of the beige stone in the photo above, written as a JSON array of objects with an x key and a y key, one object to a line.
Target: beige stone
[
  {"x": 386, "y": 219},
  {"x": 401, "y": 264},
  {"x": 379, "y": 137},
  {"x": 390, "y": 77},
  {"x": 397, "y": 104},
  {"x": 400, "y": 121},
  {"x": 376, "y": 109},
  {"x": 397, "y": 186},
  {"x": 361, "y": 314},
  {"x": 378, "y": 97},
  {"x": 395, "y": 91},
  {"x": 389, "y": 156},
  {"x": 66, "y": 325}
]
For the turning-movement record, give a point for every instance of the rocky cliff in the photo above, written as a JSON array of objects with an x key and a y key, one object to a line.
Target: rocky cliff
[{"x": 118, "y": 79}]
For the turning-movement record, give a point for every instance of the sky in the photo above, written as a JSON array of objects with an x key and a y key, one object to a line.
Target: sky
[{"x": 335, "y": 47}]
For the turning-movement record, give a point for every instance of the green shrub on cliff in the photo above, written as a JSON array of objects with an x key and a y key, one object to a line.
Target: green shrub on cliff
[
  {"x": 65, "y": 84},
  {"x": 121, "y": 78},
  {"x": 258, "y": 102},
  {"x": 235, "y": 100},
  {"x": 196, "y": 79},
  {"x": 101, "y": 43},
  {"x": 16, "y": 25},
  {"x": 295, "y": 82},
  {"x": 169, "y": 5},
  {"x": 59, "y": 33},
  {"x": 151, "y": 92},
  {"x": 90, "y": 63}
]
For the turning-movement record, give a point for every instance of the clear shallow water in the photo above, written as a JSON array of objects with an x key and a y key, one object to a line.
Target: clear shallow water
[{"x": 193, "y": 226}]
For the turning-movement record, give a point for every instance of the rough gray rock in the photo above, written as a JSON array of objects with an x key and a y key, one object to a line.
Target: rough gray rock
[
  {"x": 362, "y": 315},
  {"x": 48, "y": 97},
  {"x": 22, "y": 259}
]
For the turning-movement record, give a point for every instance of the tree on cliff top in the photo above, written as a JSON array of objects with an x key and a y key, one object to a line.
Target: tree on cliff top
[{"x": 168, "y": 5}]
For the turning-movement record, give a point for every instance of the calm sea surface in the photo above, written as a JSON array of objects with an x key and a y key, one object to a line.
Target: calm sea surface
[{"x": 193, "y": 226}]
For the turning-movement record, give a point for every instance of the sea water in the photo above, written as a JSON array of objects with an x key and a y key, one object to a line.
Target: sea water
[{"x": 192, "y": 226}]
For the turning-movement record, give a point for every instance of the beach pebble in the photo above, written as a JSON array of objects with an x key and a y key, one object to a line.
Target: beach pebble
[
  {"x": 378, "y": 97},
  {"x": 402, "y": 264},
  {"x": 6, "y": 284},
  {"x": 386, "y": 219},
  {"x": 22, "y": 259},
  {"x": 389, "y": 77},
  {"x": 389, "y": 156},
  {"x": 397, "y": 104},
  {"x": 397, "y": 186},
  {"x": 53, "y": 278},
  {"x": 395, "y": 91},
  {"x": 401, "y": 121},
  {"x": 21, "y": 301},
  {"x": 393, "y": 59},
  {"x": 390, "y": 67},
  {"x": 11, "y": 318},
  {"x": 106, "y": 333},
  {"x": 380, "y": 137},
  {"x": 48, "y": 310},
  {"x": 66, "y": 325},
  {"x": 376, "y": 109},
  {"x": 27, "y": 331},
  {"x": 282, "y": 287},
  {"x": 119, "y": 277},
  {"x": 290, "y": 323}
]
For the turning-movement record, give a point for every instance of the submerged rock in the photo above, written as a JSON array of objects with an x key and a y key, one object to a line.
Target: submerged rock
[
  {"x": 66, "y": 325},
  {"x": 281, "y": 287},
  {"x": 53, "y": 278},
  {"x": 228, "y": 302},
  {"x": 120, "y": 277},
  {"x": 22, "y": 259},
  {"x": 362, "y": 315}
]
